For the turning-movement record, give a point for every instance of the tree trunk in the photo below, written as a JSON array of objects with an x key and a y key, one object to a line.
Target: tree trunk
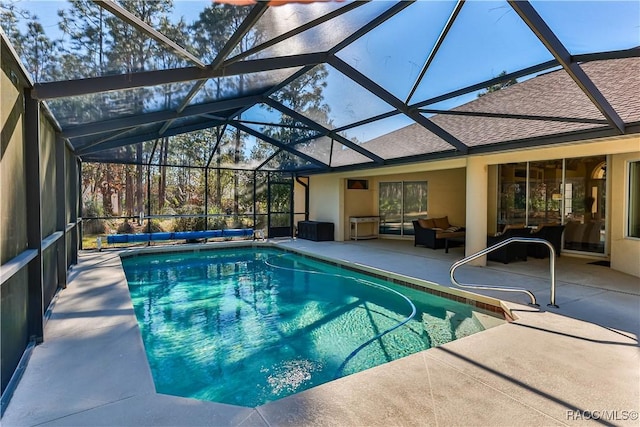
[
  {"x": 162, "y": 186},
  {"x": 218, "y": 194},
  {"x": 128, "y": 197},
  {"x": 236, "y": 160},
  {"x": 106, "y": 191},
  {"x": 139, "y": 183}
]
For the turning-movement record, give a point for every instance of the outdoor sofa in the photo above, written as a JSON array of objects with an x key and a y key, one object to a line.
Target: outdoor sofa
[{"x": 433, "y": 232}]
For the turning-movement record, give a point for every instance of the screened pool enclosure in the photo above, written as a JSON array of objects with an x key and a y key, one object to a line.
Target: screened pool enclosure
[
  {"x": 181, "y": 112},
  {"x": 161, "y": 115}
]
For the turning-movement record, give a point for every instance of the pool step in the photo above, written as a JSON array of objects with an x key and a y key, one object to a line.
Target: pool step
[{"x": 486, "y": 320}]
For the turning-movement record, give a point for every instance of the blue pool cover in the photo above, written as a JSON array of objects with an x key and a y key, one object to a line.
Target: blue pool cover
[{"x": 179, "y": 235}]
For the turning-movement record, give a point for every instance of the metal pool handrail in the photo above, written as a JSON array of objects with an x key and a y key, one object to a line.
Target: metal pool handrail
[{"x": 552, "y": 269}]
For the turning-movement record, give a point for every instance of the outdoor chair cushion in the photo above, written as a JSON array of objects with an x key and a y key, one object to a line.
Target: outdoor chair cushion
[
  {"x": 434, "y": 237},
  {"x": 442, "y": 223},
  {"x": 427, "y": 223}
]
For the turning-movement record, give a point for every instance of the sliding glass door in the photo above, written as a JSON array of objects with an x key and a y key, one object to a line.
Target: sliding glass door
[
  {"x": 512, "y": 194},
  {"x": 400, "y": 203},
  {"x": 545, "y": 192},
  {"x": 585, "y": 203},
  {"x": 563, "y": 191}
]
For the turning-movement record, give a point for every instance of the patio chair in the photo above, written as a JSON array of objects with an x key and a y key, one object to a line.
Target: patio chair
[
  {"x": 512, "y": 251},
  {"x": 550, "y": 233}
]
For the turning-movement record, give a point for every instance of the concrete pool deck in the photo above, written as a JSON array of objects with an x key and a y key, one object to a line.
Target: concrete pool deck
[{"x": 549, "y": 367}]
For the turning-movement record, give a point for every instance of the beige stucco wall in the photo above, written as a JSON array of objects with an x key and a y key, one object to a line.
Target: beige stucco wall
[
  {"x": 326, "y": 201},
  {"x": 492, "y": 199},
  {"x": 299, "y": 200},
  {"x": 445, "y": 195},
  {"x": 625, "y": 251},
  {"x": 446, "y": 184},
  {"x": 359, "y": 203},
  {"x": 477, "y": 207}
]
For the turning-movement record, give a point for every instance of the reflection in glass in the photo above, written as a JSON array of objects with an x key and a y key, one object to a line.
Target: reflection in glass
[
  {"x": 83, "y": 109},
  {"x": 585, "y": 196},
  {"x": 319, "y": 149},
  {"x": 546, "y": 192},
  {"x": 399, "y": 204},
  {"x": 545, "y": 195},
  {"x": 390, "y": 208},
  {"x": 512, "y": 194},
  {"x": 277, "y": 21},
  {"x": 139, "y": 153},
  {"x": 221, "y": 88},
  {"x": 285, "y": 161},
  {"x": 320, "y": 38},
  {"x": 330, "y": 99},
  {"x": 414, "y": 204},
  {"x": 239, "y": 149}
]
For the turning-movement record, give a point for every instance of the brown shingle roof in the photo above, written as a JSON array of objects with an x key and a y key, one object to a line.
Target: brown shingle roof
[{"x": 553, "y": 94}]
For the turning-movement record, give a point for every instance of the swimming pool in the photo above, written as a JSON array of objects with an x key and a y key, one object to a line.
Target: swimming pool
[{"x": 248, "y": 325}]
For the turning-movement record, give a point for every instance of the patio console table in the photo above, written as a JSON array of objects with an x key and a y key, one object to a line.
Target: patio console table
[{"x": 355, "y": 220}]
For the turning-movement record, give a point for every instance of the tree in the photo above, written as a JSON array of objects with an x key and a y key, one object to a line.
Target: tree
[
  {"x": 128, "y": 51},
  {"x": 9, "y": 13},
  {"x": 84, "y": 23},
  {"x": 216, "y": 24},
  {"x": 38, "y": 52},
  {"x": 305, "y": 96},
  {"x": 498, "y": 86}
]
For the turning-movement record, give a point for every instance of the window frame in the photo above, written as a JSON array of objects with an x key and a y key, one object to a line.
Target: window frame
[{"x": 628, "y": 201}]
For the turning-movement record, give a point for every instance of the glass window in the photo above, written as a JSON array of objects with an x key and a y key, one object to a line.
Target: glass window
[
  {"x": 634, "y": 199},
  {"x": 390, "y": 207},
  {"x": 399, "y": 204},
  {"x": 545, "y": 196},
  {"x": 512, "y": 194},
  {"x": 414, "y": 204}
]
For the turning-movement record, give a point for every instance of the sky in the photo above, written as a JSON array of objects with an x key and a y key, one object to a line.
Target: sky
[{"x": 487, "y": 38}]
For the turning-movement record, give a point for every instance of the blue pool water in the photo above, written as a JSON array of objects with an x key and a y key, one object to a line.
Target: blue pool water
[{"x": 246, "y": 326}]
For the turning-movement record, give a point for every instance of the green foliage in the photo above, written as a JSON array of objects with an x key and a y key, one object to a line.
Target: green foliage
[
  {"x": 9, "y": 13},
  {"x": 91, "y": 209},
  {"x": 498, "y": 86},
  {"x": 189, "y": 223},
  {"x": 96, "y": 43},
  {"x": 94, "y": 226},
  {"x": 305, "y": 96}
]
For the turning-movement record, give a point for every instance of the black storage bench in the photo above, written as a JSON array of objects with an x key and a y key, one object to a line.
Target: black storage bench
[{"x": 315, "y": 230}]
